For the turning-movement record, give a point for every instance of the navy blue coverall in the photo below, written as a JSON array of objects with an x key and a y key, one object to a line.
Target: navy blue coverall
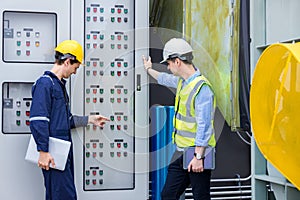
[{"x": 50, "y": 116}]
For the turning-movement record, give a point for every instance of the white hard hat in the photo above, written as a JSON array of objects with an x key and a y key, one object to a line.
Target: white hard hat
[{"x": 175, "y": 47}]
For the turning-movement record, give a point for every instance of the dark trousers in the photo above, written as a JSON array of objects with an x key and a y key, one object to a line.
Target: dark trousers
[
  {"x": 60, "y": 184},
  {"x": 179, "y": 179}
]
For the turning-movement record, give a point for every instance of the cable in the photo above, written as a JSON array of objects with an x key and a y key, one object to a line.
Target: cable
[
  {"x": 249, "y": 135},
  {"x": 238, "y": 133}
]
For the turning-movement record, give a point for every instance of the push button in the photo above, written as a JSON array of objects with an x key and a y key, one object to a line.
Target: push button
[
  {"x": 27, "y": 113},
  {"x": 18, "y": 113}
]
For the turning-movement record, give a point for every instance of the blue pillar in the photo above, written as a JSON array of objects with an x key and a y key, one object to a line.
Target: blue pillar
[{"x": 161, "y": 146}]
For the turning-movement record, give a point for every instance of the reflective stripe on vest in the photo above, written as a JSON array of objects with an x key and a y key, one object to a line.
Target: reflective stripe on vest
[{"x": 185, "y": 125}]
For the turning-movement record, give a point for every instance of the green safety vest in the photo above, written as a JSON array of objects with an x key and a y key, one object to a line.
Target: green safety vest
[{"x": 185, "y": 125}]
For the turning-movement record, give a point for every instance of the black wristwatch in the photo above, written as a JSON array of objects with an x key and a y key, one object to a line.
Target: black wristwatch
[{"x": 198, "y": 156}]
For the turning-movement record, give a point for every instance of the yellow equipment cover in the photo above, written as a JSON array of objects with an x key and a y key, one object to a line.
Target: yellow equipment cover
[{"x": 275, "y": 108}]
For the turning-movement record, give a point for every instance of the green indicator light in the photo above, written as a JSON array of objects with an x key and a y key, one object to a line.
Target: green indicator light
[
  {"x": 112, "y": 10},
  {"x": 102, "y": 10},
  {"x": 112, "y": 19},
  {"x": 88, "y": 9},
  {"x": 87, "y": 172},
  {"x": 125, "y": 10},
  {"x": 101, "y": 91},
  {"x": 18, "y": 113}
]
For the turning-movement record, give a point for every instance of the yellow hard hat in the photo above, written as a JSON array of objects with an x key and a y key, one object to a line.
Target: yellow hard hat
[{"x": 71, "y": 47}]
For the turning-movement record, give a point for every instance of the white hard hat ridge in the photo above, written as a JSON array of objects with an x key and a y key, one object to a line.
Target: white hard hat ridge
[{"x": 176, "y": 46}]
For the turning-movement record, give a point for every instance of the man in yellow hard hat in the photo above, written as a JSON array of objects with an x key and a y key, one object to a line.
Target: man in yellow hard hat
[
  {"x": 193, "y": 121},
  {"x": 50, "y": 116}
]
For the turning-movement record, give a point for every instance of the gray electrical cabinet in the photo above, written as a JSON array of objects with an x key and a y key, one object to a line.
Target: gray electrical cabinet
[
  {"x": 29, "y": 32},
  {"x": 110, "y": 162}
]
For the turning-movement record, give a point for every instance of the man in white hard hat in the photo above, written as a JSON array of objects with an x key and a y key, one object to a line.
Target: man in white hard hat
[{"x": 193, "y": 120}]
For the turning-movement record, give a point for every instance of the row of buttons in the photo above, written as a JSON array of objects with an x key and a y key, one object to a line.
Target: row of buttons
[
  {"x": 112, "y": 19},
  {"x": 112, "y": 10},
  {"x": 94, "y": 172},
  {"x": 27, "y": 52},
  {"x": 18, "y": 122},
  {"x": 28, "y": 34},
  {"x": 101, "y": 100},
  {"x": 27, "y": 103},
  {"x": 112, "y": 145},
  {"x": 18, "y": 113},
  {"x": 101, "y": 91},
  {"x": 94, "y": 181},
  {"x": 101, "y": 64},
  {"x": 101, "y": 46},
  {"x": 112, "y": 127},
  {"x": 27, "y": 43},
  {"x": 101, "y": 37},
  {"x": 101, "y": 73},
  {"x": 119, "y": 127},
  {"x": 119, "y": 118},
  {"x": 112, "y": 154}
]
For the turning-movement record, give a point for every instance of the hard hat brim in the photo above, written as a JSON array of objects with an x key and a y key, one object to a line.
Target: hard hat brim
[{"x": 164, "y": 61}]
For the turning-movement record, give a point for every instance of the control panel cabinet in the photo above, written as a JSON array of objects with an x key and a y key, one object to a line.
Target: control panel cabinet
[{"x": 109, "y": 89}]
